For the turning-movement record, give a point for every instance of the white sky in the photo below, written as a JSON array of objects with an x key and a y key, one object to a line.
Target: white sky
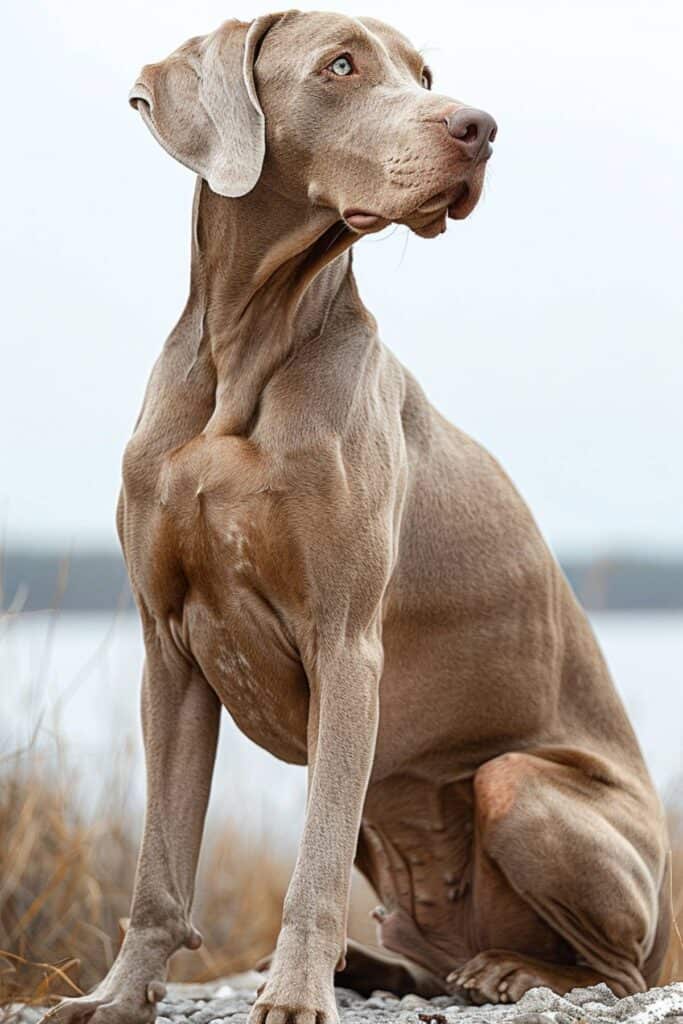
[{"x": 548, "y": 325}]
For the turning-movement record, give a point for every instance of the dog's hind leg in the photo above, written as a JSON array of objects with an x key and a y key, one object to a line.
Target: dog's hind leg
[
  {"x": 368, "y": 969},
  {"x": 180, "y": 717},
  {"x": 578, "y": 848}
]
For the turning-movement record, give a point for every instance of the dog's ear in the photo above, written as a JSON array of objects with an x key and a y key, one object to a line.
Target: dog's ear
[{"x": 201, "y": 105}]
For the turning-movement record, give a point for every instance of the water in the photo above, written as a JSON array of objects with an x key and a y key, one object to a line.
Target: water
[{"x": 77, "y": 677}]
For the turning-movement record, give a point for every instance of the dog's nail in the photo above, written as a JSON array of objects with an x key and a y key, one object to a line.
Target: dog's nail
[
  {"x": 379, "y": 913},
  {"x": 156, "y": 991},
  {"x": 194, "y": 938}
]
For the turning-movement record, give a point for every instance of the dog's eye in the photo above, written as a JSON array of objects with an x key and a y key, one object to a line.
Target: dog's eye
[
  {"x": 426, "y": 78},
  {"x": 341, "y": 66}
]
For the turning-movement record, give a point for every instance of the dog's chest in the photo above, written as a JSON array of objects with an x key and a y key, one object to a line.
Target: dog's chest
[
  {"x": 243, "y": 653},
  {"x": 210, "y": 558}
]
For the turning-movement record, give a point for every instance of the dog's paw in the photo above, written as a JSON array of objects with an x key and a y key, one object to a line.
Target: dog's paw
[
  {"x": 494, "y": 976},
  {"x": 295, "y": 1001},
  {"x": 107, "y": 1008},
  {"x": 500, "y": 976}
]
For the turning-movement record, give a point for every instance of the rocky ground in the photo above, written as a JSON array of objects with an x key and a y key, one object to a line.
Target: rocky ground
[{"x": 229, "y": 1000}]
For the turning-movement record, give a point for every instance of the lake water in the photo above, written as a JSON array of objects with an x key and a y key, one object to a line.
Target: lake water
[{"x": 77, "y": 677}]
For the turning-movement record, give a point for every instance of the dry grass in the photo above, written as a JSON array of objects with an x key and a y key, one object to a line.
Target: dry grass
[
  {"x": 62, "y": 884},
  {"x": 66, "y": 879}
]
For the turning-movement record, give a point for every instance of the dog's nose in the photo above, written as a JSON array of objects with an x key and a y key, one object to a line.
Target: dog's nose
[{"x": 474, "y": 130}]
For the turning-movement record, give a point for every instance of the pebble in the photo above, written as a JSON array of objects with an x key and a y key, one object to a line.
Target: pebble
[
  {"x": 412, "y": 1002},
  {"x": 595, "y": 1005}
]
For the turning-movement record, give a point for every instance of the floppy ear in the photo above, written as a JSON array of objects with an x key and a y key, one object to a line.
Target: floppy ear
[{"x": 201, "y": 105}]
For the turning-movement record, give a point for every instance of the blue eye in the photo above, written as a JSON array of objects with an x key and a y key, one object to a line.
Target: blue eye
[{"x": 342, "y": 66}]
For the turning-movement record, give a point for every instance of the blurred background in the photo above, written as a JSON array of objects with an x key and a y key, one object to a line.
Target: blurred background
[{"x": 548, "y": 325}]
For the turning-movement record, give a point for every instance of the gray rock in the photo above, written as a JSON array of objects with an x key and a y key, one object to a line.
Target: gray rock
[
  {"x": 346, "y": 997},
  {"x": 599, "y": 994},
  {"x": 413, "y": 1002},
  {"x": 206, "y": 1014},
  {"x": 231, "y": 998}
]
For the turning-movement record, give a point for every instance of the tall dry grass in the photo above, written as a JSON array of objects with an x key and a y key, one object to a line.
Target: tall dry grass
[{"x": 66, "y": 879}]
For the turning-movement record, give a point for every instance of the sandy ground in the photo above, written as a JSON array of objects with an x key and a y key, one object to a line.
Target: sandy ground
[{"x": 230, "y": 999}]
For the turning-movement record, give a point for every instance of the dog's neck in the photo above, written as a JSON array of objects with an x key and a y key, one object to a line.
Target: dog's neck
[{"x": 265, "y": 273}]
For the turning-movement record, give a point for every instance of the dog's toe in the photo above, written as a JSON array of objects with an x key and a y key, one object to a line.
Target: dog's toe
[{"x": 492, "y": 977}]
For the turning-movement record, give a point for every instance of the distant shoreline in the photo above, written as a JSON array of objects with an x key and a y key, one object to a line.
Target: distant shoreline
[{"x": 97, "y": 581}]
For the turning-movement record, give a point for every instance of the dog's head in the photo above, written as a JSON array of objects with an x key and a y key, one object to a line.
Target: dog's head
[{"x": 323, "y": 109}]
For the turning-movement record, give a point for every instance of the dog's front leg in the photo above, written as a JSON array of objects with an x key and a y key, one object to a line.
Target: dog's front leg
[
  {"x": 342, "y": 729},
  {"x": 180, "y": 715}
]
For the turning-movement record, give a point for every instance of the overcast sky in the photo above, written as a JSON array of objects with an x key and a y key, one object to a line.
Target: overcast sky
[{"x": 548, "y": 325}]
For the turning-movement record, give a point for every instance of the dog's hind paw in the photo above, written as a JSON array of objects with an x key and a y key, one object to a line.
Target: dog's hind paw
[{"x": 500, "y": 976}]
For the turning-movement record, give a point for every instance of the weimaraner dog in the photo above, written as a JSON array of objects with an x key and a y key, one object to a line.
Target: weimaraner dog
[{"x": 312, "y": 546}]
